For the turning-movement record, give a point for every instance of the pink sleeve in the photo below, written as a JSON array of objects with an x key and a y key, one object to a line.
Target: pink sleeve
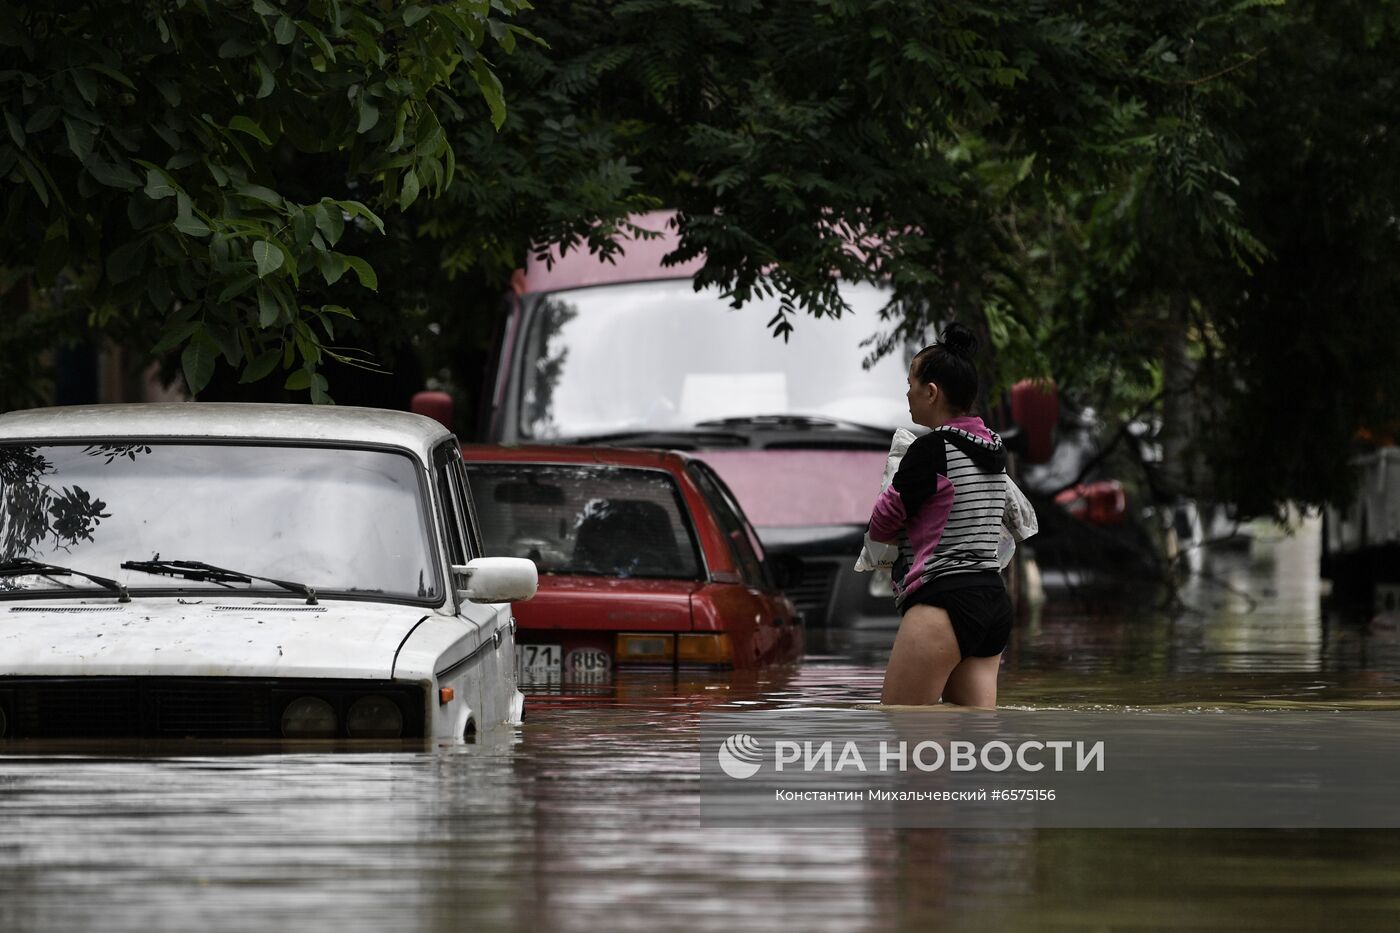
[{"x": 888, "y": 516}]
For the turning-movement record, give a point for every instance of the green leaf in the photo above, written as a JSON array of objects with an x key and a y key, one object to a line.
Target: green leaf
[
  {"x": 262, "y": 366},
  {"x": 86, "y": 85},
  {"x": 303, "y": 226},
  {"x": 180, "y": 160},
  {"x": 267, "y": 81},
  {"x": 330, "y": 220},
  {"x": 285, "y": 30},
  {"x": 235, "y": 47},
  {"x": 237, "y": 287},
  {"x": 157, "y": 187},
  {"x": 301, "y": 379},
  {"x": 185, "y": 221},
  {"x": 318, "y": 38},
  {"x": 396, "y": 143},
  {"x": 198, "y": 361},
  {"x": 413, "y": 13},
  {"x": 113, "y": 73},
  {"x": 267, "y": 256},
  {"x": 79, "y": 139},
  {"x": 170, "y": 91},
  {"x": 409, "y": 192},
  {"x": 228, "y": 343},
  {"x": 269, "y": 310},
  {"x": 16, "y": 131},
  {"x": 41, "y": 119},
  {"x": 175, "y": 336},
  {"x": 259, "y": 193},
  {"x": 318, "y": 391},
  {"x": 364, "y": 272},
  {"x": 356, "y": 209},
  {"x": 332, "y": 266},
  {"x": 491, "y": 90},
  {"x": 326, "y": 323},
  {"x": 35, "y": 179},
  {"x": 126, "y": 261},
  {"x": 113, "y": 175},
  {"x": 247, "y": 125},
  {"x": 369, "y": 115}
]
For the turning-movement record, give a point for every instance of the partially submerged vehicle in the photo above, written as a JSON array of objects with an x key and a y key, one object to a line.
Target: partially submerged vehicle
[
  {"x": 258, "y": 571},
  {"x": 645, "y": 560},
  {"x": 628, "y": 353},
  {"x": 1361, "y": 539}
]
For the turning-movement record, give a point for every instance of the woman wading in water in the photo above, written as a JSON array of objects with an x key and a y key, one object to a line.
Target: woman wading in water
[{"x": 944, "y": 511}]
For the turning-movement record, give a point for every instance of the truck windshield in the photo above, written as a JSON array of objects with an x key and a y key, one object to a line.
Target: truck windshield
[
  {"x": 659, "y": 355},
  {"x": 339, "y": 520}
]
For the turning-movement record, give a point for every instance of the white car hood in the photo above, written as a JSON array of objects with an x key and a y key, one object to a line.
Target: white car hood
[{"x": 204, "y": 638}]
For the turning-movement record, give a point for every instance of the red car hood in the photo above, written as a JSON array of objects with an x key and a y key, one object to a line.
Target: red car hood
[
  {"x": 608, "y": 603},
  {"x": 801, "y": 488}
]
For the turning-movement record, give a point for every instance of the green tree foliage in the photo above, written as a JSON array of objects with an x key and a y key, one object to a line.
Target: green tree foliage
[
  {"x": 1157, "y": 204},
  {"x": 1179, "y": 208},
  {"x": 195, "y": 174},
  {"x": 1306, "y": 347},
  {"x": 968, "y": 150}
]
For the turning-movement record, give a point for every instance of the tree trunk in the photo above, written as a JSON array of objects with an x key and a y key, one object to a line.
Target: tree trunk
[{"x": 1178, "y": 412}]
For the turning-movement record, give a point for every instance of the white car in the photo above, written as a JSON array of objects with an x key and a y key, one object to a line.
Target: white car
[{"x": 247, "y": 571}]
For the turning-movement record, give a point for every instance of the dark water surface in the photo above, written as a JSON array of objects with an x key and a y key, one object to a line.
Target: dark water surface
[{"x": 587, "y": 817}]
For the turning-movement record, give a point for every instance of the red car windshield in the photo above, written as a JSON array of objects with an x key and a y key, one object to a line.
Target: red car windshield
[{"x": 591, "y": 520}]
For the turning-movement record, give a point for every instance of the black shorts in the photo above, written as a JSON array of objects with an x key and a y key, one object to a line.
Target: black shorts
[{"x": 981, "y": 616}]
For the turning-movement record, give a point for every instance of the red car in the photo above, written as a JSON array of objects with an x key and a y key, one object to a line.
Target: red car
[{"x": 645, "y": 559}]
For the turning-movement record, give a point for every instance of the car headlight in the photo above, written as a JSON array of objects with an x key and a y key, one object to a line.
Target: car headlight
[
  {"x": 374, "y": 717},
  {"x": 309, "y": 718}
]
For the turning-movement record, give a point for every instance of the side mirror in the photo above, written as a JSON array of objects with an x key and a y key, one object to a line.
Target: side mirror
[
  {"x": 496, "y": 580},
  {"x": 787, "y": 571},
  {"x": 1035, "y": 409},
  {"x": 435, "y": 405}
]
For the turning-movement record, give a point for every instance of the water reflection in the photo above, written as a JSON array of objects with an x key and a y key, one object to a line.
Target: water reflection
[{"x": 587, "y": 818}]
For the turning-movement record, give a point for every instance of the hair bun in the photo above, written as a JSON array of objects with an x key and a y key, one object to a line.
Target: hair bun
[{"x": 958, "y": 340}]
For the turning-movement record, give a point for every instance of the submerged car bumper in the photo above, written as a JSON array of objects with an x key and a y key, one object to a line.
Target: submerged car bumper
[
  {"x": 206, "y": 707},
  {"x": 831, "y": 593}
]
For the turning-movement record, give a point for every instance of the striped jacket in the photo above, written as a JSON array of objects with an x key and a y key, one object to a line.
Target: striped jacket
[{"x": 944, "y": 509}]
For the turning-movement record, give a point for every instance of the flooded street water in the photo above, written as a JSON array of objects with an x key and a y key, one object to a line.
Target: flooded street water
[{"x": 587, "y": 818}]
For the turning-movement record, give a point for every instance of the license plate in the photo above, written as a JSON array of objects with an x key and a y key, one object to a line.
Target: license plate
[
  {"x": 540, "y": 662},
  {"x": 588, "y": 665}
]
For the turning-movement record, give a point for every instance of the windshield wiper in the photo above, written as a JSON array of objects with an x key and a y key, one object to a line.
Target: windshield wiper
[
  {"x": 198, "y": 570},
  {"x": 792, "y": 421},
  {"x": 23, "y": 566},
  {"x": 675, "y": 438}
]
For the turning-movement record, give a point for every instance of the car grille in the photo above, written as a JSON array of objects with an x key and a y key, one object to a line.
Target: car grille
[
  {"x": 812, "y": 596},
  {"x": 176, "y": 707}
]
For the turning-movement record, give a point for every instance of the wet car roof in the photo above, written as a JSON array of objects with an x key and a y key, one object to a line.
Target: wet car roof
[
  {"x": 211, "y": 420},
  {"x": 544, "y": 453}
]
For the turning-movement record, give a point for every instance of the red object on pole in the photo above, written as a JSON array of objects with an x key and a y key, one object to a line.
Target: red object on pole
[
  {"x": 1035, "y": 408},
  {"x": 436, "y": 405}
]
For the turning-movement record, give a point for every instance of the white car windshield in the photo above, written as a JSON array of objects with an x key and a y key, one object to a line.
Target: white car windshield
[
  {"x": 659, "y": 356},
  {"x": 339, "y": 520}
]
